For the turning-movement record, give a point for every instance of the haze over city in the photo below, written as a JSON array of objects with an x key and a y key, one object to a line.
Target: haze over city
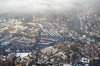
[
  {"x": 49, "y": 33},
  {"x": 44, "y": 6}
]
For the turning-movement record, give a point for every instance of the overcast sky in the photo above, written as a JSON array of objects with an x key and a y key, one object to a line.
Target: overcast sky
[{"x": 33, "y": 6}]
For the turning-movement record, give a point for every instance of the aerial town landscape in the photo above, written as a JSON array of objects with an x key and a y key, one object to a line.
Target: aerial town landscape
[{"x": 68, "y": 39}]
